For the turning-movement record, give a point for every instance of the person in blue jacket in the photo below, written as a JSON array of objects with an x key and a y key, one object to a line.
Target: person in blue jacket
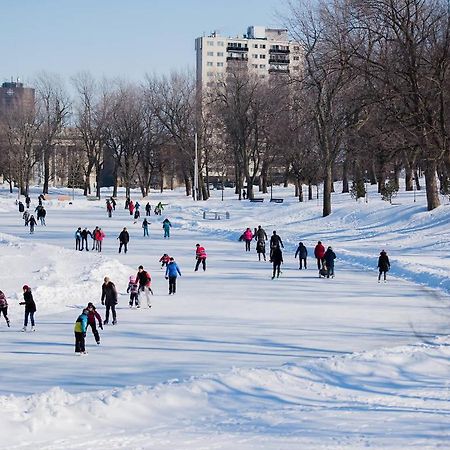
[
  {"x": 172, "y": 271},
  {"x": 329, "y": 258},
  {"x": 80, "y": 332}
]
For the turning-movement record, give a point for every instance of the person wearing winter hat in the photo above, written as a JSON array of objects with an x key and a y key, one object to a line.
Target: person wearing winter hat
[
  {"x": 30, "y": 308},
  {"x": 109, "y": 299},
  {"x": 133, "y": 290},
  {"x": 93, "y": 318},
  {"x": 4, "y": 307},
  {"x": 329, "y": 258},
  {"x": 80, "y": 332}
]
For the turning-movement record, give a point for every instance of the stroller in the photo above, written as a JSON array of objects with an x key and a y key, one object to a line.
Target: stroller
[{"x": 323, "y": 272}]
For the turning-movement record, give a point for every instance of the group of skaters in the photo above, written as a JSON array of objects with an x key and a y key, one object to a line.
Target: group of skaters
[
  {"x": 29, "y": 219},
  {"x": 29, "y": 304},
  {"x": 325, "y": 257},
  {"x": 81, "y": 239}
]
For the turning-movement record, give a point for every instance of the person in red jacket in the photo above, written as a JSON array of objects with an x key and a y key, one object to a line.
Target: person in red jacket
[
  {"x": 200, "y": 255},
  {"x": 164, "y": 260},
  {"x": 145, "y": 279},
  {"x": 319, "y": 253},
  {"x": 93, "y": 314},
  {"x": 131, "y": 207}
]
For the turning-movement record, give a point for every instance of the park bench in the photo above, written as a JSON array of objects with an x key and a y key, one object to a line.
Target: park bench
[
  {"x": 277, "y": 200},
  {"x": 215, "y": 215},
  {"x": 256, "y": 200}
]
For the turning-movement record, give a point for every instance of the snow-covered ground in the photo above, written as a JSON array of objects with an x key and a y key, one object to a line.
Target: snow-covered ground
[{"x": 235, "y": 360}]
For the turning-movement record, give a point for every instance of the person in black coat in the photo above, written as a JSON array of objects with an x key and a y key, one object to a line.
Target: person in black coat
[
  {"x": 383, "y": 265},
  {"x": 21, "y": 207},
  {"x": 277, "y": 259},
  {"x": 275, "y": 242},
  {"x": 124, "y": 238},
  {"x": 302, "y": 253},
  {"x": 84, "y": 235},
  {"x": 30, "y": 308},
  {"x": 329, "y": 258},
  {"x": 109, "y": 299}
]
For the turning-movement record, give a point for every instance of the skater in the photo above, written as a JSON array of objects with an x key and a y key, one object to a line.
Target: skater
[
  {"x": 329, "y": 258},
  {"x": 4, "y": 307},
  {"x": 32, "y": 222},
  {"x": 383, "y": 265},
  {"x": 131, "y": 207},
  {"x": 26, "y": 217},
  {"x": 247, "y": 237},
  {"x": 145, "y": 280},
  {"x": 260, "y": 234},
  {"x": 84, "y": 235},
  {"x": 109, "y": 299},
  {"x": 42, "y": 215},
  {"x": 277, "y": 259},
  {"x": 109, "y": 208},
  {"x": 94, "y": 238},
  {"x": 124, "y": 238},
  {"x": 137, "y": 205},
  {"x": 166, "y": 227},
  {"x": 27, "y": 201},
  {"x": 145, "y": 226},
  {"x": 275, "y": 242},
  {"x": 80, "y": 332},
  {"x": 172, "y": 271},
  {"x": 137, "y": 214},
  {"x": 133, "y": 290},
  {"x": 93, "y": 318},
  {"x": 30, "y": 308},
  {"x": 164, "y": 260},
  {"x": 200, "y": 255},
  {"x": 99, "y": 239},
  {"x": 261, "y": 249},
  {"x": 21, "y": 207},
  {"x": 127, "y": 203},
  {"x": 78, "y": 239},
  {"x": 244, "y": 194},
  {"x": 113, "y": 203},
  {"x": 319, "y": 253},
  {"x": 302, "y": 253},
  {"x": 148, "y": 209}
]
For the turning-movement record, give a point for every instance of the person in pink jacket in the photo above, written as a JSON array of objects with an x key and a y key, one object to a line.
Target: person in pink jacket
[
  {"x": 247, "y": 237},
  {"x": 200, "y": 256},
  {"x": 131, "y": 207},
  {"x": 99, "y": 239}
]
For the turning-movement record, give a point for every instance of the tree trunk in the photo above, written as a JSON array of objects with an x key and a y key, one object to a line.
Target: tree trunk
[
  {"x": 46, "y": 157},
  {"x": 97, "y": 178},
  {"x": 310, "y": 191},
  {"x": 345, "y": 187},
  {"x": 296, "y": 189},
  {"x": 417, "y": 180},
  {"x": 373, "y": 175},
  {"x": 327, "y": 185},
  {"x": 409, "y": 178},
  {"x": 187, "y": 184},
  {"x": 431, "y": 185},
  {"x": 286, "y": 176},
  {"x": 300, "y": 192},
  {"x": 250, "y": 193}
]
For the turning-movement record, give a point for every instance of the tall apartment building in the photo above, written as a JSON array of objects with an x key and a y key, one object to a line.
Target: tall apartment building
[
  {"x": 14, "y": 96},
  {"x": 265, "y": 51}
]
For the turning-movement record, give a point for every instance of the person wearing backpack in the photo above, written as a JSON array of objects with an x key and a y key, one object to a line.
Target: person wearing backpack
[
  {"x": 4, "y": 307},
  {"x": 80, "y": 332}
]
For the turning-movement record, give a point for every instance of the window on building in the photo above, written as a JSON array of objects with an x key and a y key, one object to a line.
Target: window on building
[
  {"x": 262, "y": 56},
  {"x": 255, "y": 45},
  {"x": 210, "y": 53},
  {"x": 255, "y": 66},
  {"x": 262, "y": 66},
  {"x": 209, "y": 64},
  {"x": 296, "y": 58},
  {"x": 210, "y": 43},
  {"x": 296, "y": 48},
  {"x": 296, "y": 67},
  {"x": 254, "y": 56},
  {"x": 220, "y": 64},
  {"x": 262, "y": 46},
  {"x": 219, "y": 53},
  {"x": 220, "y": 43}
]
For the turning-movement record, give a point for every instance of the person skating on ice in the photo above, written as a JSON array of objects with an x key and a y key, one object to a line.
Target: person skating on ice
[
  {"x": 145, "y": 224},
  {"x": 145, "y": 280},
  {"x": 275, "y": 242},
  {"x": 166, "y": 227},
  {"x": 80, "y": 332},
  {"x": 109, "y": 299},
  {"x": 30, "y": 308},
  {"x": 32, "y": 222},
  {"x": 133, "y": 290},
  {"x": 4, "y": 307},
  {"x": 247, "y": 237},
  {"x": 302, "y": 254},
  {"x": 124, "y": 239},
  {"x": 78, "y": 239},
  {"x": 319, "y": 253},
  {"x": 329, "y": 258},
  {"x": 164, "y": 260},
  {"x": 172, "y": 271},
  {"x": 93, "y": 318},
  {"x": 200, "y": 256},
  {"x": 383, "y": 265},
  {"x": 261, "y": 249},
  {"x": 277, "y": 259}
]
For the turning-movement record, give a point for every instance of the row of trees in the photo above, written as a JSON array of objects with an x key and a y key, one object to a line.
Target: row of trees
[{"x": 371, "y": 99}]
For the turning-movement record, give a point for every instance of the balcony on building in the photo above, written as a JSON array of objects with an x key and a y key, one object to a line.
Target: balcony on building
[
  {"x": 275, "y": 60},
  {"x": 278, "y": 69},
  {"x": 237, "y": 57},
  {"x": 237, "y": 48},
  {"x": 274, "y": 49}
]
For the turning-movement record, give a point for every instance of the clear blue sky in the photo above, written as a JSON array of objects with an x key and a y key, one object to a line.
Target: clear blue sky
[{"x": 115, "y": 38}]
